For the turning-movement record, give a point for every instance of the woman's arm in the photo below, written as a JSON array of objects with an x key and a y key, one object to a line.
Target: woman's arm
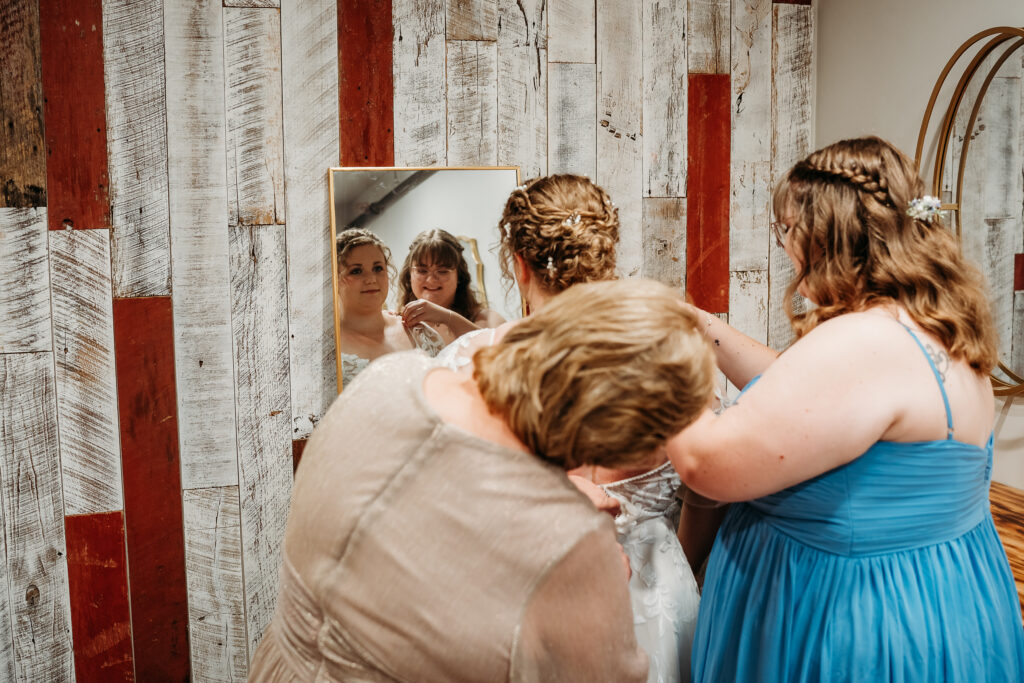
[
  {"x": 698, "y": 526},
  {"x": 738, "y": 356}
]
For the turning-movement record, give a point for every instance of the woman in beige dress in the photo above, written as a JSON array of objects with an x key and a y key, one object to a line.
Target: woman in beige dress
[{"x": 434, "y": 534}]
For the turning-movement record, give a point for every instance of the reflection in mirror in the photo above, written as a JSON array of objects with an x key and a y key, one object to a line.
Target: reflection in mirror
[{"x": 415, "y": 261}]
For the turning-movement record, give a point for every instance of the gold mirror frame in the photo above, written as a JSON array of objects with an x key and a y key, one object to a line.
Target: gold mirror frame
[
  {"x": 334, "y": 236},
  {"x": 1000, "y": 35}
]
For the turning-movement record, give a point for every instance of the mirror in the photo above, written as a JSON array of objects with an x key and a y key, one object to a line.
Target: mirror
[
  {"x": 398, "y": 205},
  {"x": 978, "y": 173}
]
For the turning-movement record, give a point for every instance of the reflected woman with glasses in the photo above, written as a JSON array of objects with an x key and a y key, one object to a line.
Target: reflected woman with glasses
[{"x": 435, "y": 288}]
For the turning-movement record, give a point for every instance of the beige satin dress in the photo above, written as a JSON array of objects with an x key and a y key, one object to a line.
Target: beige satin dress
[{"x": 416, "y": 551}]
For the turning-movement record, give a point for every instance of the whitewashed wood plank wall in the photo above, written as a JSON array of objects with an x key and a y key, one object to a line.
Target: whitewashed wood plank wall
[{"x": 222, "y": 120}]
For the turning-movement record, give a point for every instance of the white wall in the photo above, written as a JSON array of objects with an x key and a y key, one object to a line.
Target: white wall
[{"x": 877, "y": 62}]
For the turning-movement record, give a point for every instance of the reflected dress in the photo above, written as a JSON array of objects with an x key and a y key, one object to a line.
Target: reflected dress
[{"x": 887, "y": 568}]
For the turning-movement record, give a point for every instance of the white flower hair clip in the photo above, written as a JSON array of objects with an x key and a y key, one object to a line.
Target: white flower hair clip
[
  {"x": 551, "y": 267},
  {"x": 573, "y": 219},
  {"x": 924, "y": 208}
]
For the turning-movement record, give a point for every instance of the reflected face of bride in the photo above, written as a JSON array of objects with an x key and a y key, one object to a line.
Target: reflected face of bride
[
  {"x": 436, "y": 284},
  {"x": 363, "y": 279}
]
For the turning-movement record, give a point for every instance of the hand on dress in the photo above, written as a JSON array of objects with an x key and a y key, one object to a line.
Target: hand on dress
[
  {"x": 423, "y": 311},
  {"x": 603, "y": 502}
]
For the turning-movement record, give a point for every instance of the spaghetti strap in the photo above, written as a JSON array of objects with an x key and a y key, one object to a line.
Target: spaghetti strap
[{"x": 938, "y": 378}]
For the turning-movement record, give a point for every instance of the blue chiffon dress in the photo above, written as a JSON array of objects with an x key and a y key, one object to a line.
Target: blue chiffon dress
[{"x": 887, "y": 568}]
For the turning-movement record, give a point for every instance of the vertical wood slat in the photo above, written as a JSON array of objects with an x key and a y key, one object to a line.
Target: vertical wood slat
[
  {"x": 664, "y": 98},
  {"x": 309, "y": 54},
  {"x": 620, "y": 113},
  {"x": 71, "y": 44},
  {"x": 83, "y": 328},
  {"x": 707, "y": 193},
  {"x": 750, "y": 166},
  {"x": 214, "y": 567},
  {"x": 709, "y": 38},
  {"x": 572, "y": 31},
  {"x": 22, "y": 146},
  {"x": 471, "y": 20},
  {"x": 147, "y": 412},
  {"x": 419, "y": 81},
  {"x": 664, "y": 240},
  {"x": 472, "y": 73},
  {"x": 366, "y": 85},
  {"x": 252, "y": 3},
  {"x": 792, "y": 140},
  {"x": 33, "y": 519},
  {"x": 98, "y": 579},
  {"x": 7, "y": 596},
  {"x": 255, "y": 166},
  {"x": 24, "y": 282},
  {"x": 572, "y": 119},
  {"x": 133, "y": 58},
  {"x": 259, "y": 320},
  {"x": 522, "y": 86},
  {"x": 199, "y": 243}
]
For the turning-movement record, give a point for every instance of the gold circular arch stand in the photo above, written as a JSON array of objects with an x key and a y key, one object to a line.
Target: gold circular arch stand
[{"x": 999, "y": 37}]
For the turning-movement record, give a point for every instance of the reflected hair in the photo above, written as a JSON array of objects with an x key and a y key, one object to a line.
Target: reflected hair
[
  {"x": 564, "y": 227},
  {"x": 604, "y": 374},
  {"x": 440, "y": 248},
  {"x": 350, "y": 238},
  {"x": 857, "y": 247}
]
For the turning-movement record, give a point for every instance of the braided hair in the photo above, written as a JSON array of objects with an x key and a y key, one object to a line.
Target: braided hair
[{"x": 564, "y": 227}]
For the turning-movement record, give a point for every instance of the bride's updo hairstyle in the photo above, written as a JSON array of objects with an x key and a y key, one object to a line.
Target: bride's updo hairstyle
[
  {"x": 858, "y": 242},
  {"x": 602, "y": 375},
  {"x": 350, "y": 238},
  {"x": 564, "y": 226}
]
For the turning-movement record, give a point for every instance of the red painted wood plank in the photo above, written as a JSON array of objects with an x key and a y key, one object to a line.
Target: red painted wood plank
[
  {"x": 71, "y": 44},
  {"x": 147, "y": 406},
  {"x": 22, "y": 146},
  {"x": 707, "y": 191},
  {"x": 1018, "y": 272},
  {"x": 365, "y": 84},
  {"x": 298, "y": 445},
  {"x": 98, "y": 581}
]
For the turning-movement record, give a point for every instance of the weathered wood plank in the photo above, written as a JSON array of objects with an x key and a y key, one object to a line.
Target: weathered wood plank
[
  {"x": 213, "y": 562},
  {"x": 419, "y": 79},
  {"x": 22, "y": 146},
  {"x": 1016, "y": 359},
  {"x": 750, "y": 191},
  {"x": 71, "y": 43},
  {"x": 83, "y": 328},
  {"x": 620, "y": 101},
  {"x": 24, "y": 281},
  {"x": 259, "y": 320},
  {"x": 707, "y": 191},
  {"x": 255, "y": 167},
  {"x": 37, "y": 569},
  {"x": 133, "y": 52},
  {"x": 572, "y": 31},
  {"x": 366, "y": 82},
  {"x": 792, "y": 140},
  {"x": 522, "y": 86},
  {"x": 748, "y": 303},
  {"x": 708, "y": 40},
  {"x": 147, "y": 413},
  {"x": 309, "y": 50},
  {"x": 200, "y": 278},
  {"x": 472, "y": 103},
  {"x": 572, "y": 119},
  {"x": 664, "y": 239},
  {"x": 298, "y": 446},
  {"x": 98, "y": 579},
  {"x": 471, "y": 20},
  {"x": 1007, "y": 505},
  {"x": 664, "y": 98},
  {"x": 7, "y": 596},
  {"x": 252, "y": 3}
]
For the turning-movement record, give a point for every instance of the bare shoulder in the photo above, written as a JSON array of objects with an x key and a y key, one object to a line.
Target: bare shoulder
[{"x": 488, "y": 317}]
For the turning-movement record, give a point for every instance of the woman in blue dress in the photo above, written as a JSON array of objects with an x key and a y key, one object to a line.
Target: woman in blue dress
[{"x": 865, "y": 550}]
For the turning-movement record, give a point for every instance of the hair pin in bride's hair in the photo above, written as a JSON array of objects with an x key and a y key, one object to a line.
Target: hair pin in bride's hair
[
  {"x": 551, "y": 267},
  {"x": 924, "y": 208}
]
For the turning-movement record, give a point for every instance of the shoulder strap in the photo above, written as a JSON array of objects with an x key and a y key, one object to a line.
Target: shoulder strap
[{"x": 938, "y": 378}]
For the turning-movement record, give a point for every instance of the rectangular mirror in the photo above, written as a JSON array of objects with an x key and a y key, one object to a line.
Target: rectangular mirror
[{"x": 376, "y": 214}]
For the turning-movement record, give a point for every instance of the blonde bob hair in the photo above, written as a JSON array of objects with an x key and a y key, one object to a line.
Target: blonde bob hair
[
  {"x": 602, "y": 375},
  {"x": 856, "y": 247}
]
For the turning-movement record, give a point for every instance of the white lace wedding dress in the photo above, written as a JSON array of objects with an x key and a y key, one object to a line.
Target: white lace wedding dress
[{"x": 662, "y": 588}]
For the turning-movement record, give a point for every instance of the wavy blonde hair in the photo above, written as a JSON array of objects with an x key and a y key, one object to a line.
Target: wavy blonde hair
[
  {"x": 562, "y": 220},
  {"x": 856, "y": 247},
  {"x": 603, "y": 374}
]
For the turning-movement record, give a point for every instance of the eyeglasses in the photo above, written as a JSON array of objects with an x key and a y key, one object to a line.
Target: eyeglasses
[{"x": 779, "y": 229}]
